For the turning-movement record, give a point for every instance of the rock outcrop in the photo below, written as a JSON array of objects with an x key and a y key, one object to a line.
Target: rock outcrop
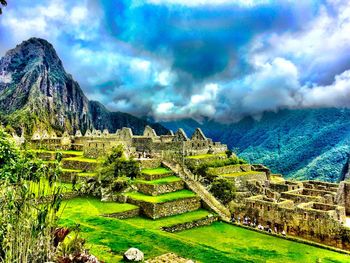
[{"x": 36, "y": 91}]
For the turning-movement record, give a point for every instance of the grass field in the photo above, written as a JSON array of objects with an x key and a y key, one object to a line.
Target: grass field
[
  {"x": 241, "y": 174},
  {"x": 78, "y": 153},
  {"x": 82, "y": 159},
  {"x": 202, "y": 156},
  {"x": 161, "y": 198},
  {"x": 108, "y": 238},
  {"x": 165, "y": 180},
  {"x": 159, "y": 170}
]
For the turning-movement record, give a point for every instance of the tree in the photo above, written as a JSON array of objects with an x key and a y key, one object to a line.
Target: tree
[
  {"x": 223, "y": 189},
  {"x": 2, "y": 4}
]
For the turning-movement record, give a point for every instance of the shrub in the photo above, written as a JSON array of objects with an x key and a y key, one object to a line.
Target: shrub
[
  {"x": 27, "y": 217},
  {"x": 223, "y": 189}
]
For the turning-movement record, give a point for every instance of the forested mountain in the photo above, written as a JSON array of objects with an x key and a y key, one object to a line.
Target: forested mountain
[
  {"x": 37, "y": 92},
  {"x": 302, "y": 144}
]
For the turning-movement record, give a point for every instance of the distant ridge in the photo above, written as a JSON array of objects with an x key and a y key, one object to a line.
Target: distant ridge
[{"x": 302, "y": 144}]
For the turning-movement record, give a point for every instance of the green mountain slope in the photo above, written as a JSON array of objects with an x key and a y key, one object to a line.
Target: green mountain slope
[{"x": 303, "y": 144}]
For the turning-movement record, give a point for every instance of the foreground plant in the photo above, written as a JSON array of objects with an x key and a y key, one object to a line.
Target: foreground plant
[{"x": 29, "y": 201}]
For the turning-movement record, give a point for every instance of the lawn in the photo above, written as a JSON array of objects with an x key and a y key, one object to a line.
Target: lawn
[
  {"x": 108, "y": 238},
  {"x": 276, "y": 179},
  {"x": 159, "y": 170},
  {"x": 78, "y": 153},
  {"x": 202, "y": 156},
  {"x": 71, "y": 171},
  {"x": 87, "y": 174},
  {"x": 82, "y": 159},
  {"x": 241, "y": 174},
  {"x": 165, "y": 180},
  {"x": 161, "y": 198}
]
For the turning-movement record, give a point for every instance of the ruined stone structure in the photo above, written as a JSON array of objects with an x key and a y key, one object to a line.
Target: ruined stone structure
[
  {"x": 310, "y": 209},
  {"x": 96, "y": 143}
]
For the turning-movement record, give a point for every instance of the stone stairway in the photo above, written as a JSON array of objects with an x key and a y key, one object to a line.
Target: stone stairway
[{"x": 199, "y": 189}]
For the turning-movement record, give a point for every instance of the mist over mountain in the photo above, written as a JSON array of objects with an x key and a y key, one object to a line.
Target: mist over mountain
[
  {"x": 37, "y": 93},
  {"x": 300, "y": 144}
]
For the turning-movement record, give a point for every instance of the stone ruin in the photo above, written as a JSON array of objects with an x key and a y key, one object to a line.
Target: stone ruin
[{"x": 148, "y": 145}]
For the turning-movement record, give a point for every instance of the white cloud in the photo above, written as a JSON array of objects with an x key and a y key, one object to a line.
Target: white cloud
[
  {"x": 5, "y": 78},
  {"x": 335, "y": 95}
]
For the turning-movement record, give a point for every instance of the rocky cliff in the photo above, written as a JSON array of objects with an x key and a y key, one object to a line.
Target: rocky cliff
[{"x": 37, "y": 92}]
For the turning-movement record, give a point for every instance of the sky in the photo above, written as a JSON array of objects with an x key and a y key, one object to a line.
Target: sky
[{"x": 174, "y": 59}]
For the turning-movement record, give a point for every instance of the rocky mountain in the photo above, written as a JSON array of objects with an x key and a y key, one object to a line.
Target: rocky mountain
[
  {"x": 302, "y": 144},
  {"x": 37, "y": 92}
]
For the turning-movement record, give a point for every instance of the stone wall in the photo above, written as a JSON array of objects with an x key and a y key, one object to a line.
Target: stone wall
[
  {"x": 150, "y": 163},
  {"x": 79, "y": 165},
  {"x": 235, "y": 168},
  {"x": 188, "y": 225},
  {"x": 343, "y": 195},
  {"x": 124, "y": 214},
  {"x": 313, "y": 221},
  {"x": 157, "y": 189},
  {"x": 158, "y": 210},
  {"x": 242, "y": 181}
]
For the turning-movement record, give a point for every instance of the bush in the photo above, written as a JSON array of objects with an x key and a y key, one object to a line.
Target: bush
[
  {"x": 223, "y": 189},
  {"x": 116, "y": 172},
  {"x": 26, "y": 222},
  {"x": 203, "y": 170}
]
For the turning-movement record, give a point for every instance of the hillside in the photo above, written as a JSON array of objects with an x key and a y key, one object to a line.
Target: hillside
[
  {"x": 302, "y": 144},
  {"x": 37, "y": 92}
]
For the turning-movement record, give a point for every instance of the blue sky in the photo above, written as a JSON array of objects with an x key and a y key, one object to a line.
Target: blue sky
[{"x": 173, "y": 59}]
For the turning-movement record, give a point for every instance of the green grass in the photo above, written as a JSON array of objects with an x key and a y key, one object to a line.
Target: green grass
[
  {"x": 109, "y": 238},
  {"x": 161, "y": 198},
  {"x": 43, "y": 185},
  {"x": 87, "y": 174},
  {"x": 159, "y": 170},
  {"x": 78, "y": 153},
  {"x": 165, "y": 180},
  {"x": 202, "y": 156},
  {"x": 168, "y": 221},
  {"x": 82, "y": 159},
  {"x": 277, "y": 179},
  {"x": 71, "y": 171},
  {"x": 241, "y": 174}
]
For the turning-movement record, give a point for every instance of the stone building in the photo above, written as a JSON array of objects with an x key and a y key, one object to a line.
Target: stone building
[
  {"x": 310, "y": 209},
  {"x": 148, "y": 145}
]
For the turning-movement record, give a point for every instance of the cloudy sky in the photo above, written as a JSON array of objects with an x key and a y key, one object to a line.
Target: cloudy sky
[{"x": 171, "y": 59}]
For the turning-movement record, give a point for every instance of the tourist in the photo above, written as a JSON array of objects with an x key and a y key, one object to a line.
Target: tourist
[{"x": 283, "y": 233}]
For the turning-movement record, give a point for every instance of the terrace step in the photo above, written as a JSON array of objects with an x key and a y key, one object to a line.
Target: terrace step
[
  {"x": 155, "y": 173},
  {"x": 169, "y": 204},
  {"x": 199, "y": 189},
  {"x": 80, "y": 163},
  {"x": 160, "y": 186},
  {"x": 68, "y": 174},
  {"x": 203, "y": 221}
]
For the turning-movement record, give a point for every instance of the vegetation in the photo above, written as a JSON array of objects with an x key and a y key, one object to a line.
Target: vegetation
[
  {"x": 223, "y": 189},
  {"x": 26, "y": 222},
  {"x": 109, "y": 238},
  {"x": 203, "y": 169},
  {"x": 241, "y": 173},
  {"x": 159, "y": 170},
  {"x": 166, "y": 180},
  {"x": 203, "y": 156},
  {"x": 162, "y": 198}
]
